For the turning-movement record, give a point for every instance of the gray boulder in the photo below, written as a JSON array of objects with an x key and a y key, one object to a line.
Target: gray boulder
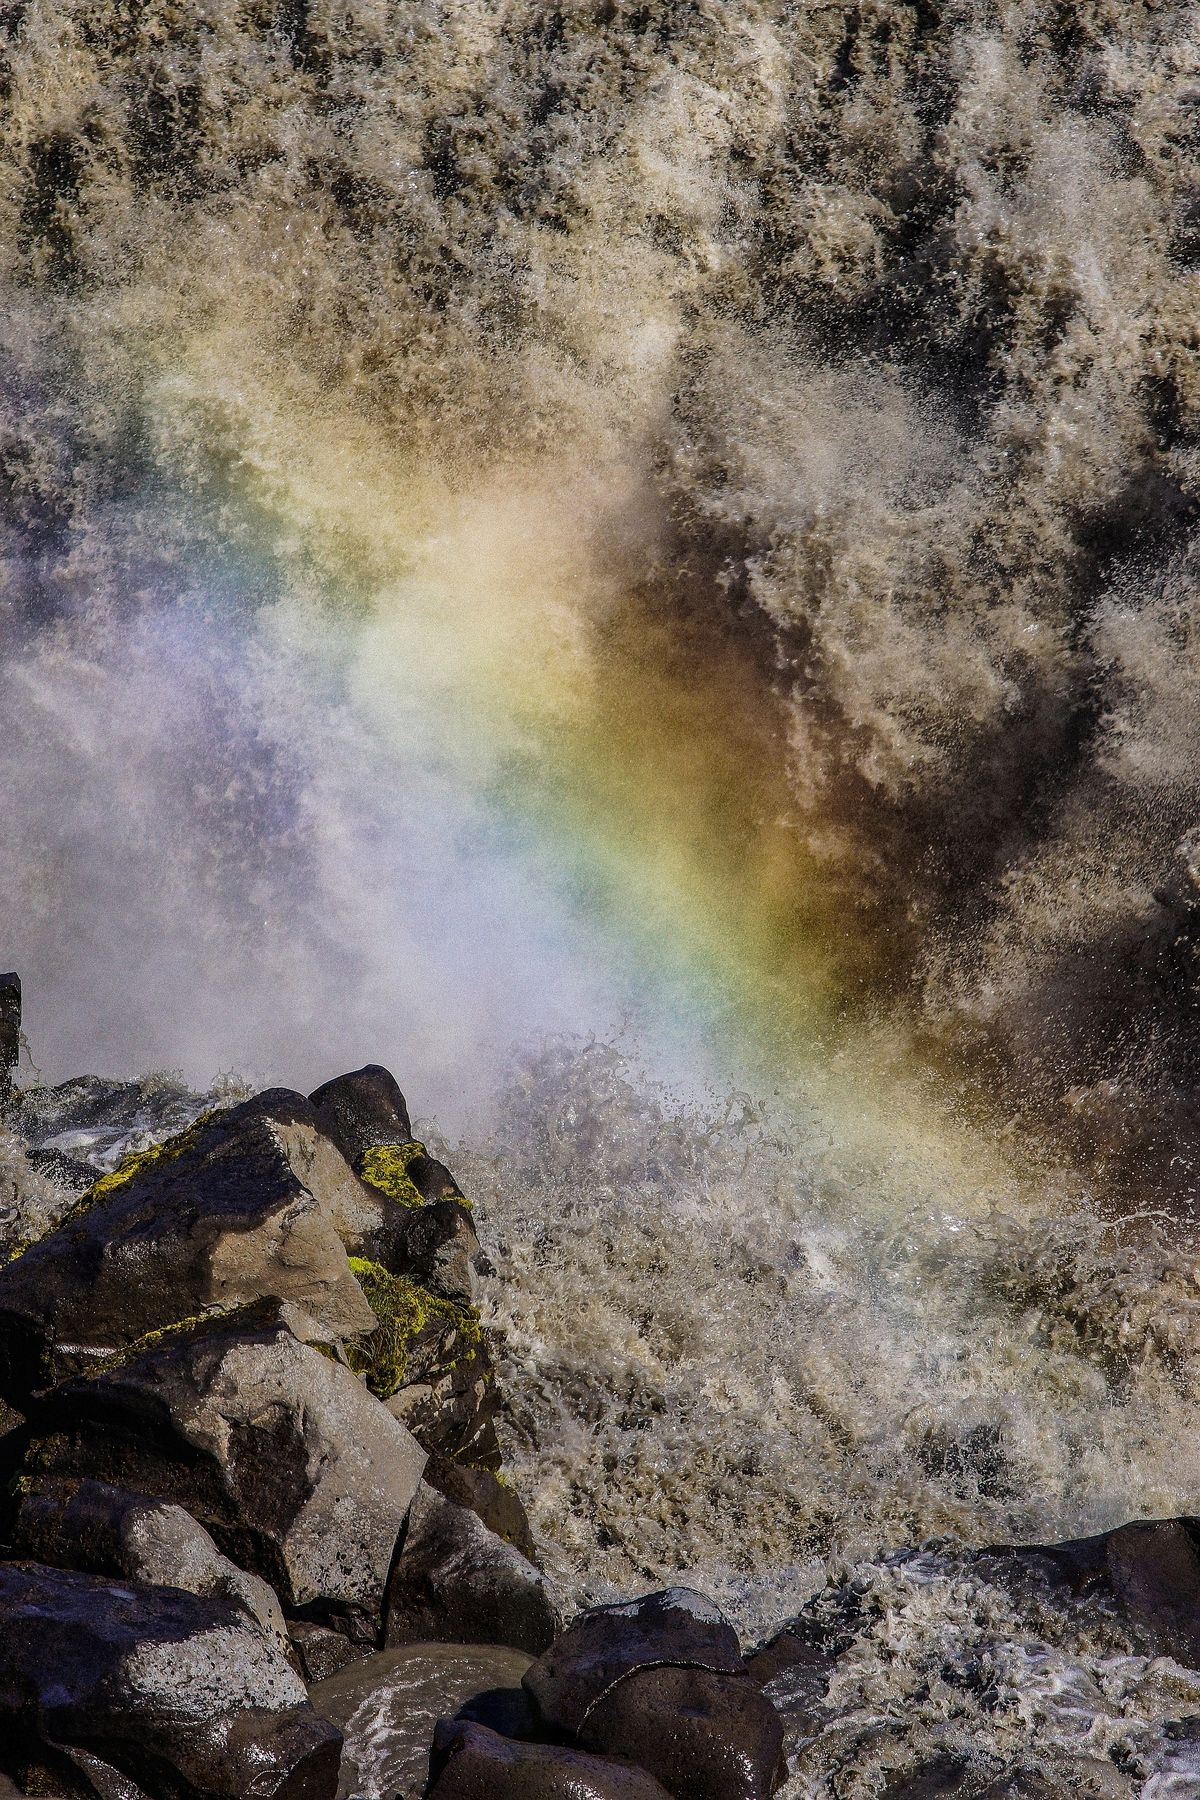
[
  {"x": 455, "y": 1581},
  {"x": 703, "y": 1735},
  {"x": 300, "y": 1476},
  {"x": 607, "y": 1643},
  {"x": 470, "y": 1762},
  {"x": 104, "y": 1530},
  {"x": 180, "y": 1695},
  {"x": 246, "y": 1203}
]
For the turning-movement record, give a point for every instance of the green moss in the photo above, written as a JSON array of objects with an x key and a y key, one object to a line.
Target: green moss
[
  {"x": 137, "y": 1162},
  {"x": 404, "y": 1310},
  {"x": 385, "y": 1167}
]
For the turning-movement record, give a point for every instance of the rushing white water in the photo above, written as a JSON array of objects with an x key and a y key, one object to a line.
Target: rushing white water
[{"x": 668, "y": 526}]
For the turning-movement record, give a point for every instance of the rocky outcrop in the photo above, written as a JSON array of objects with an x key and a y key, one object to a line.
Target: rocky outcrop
[
  {"x": 182, "y": 1695},
  {"x": 280, "y": 1452},
  {"x": 213, "y": 1219}
]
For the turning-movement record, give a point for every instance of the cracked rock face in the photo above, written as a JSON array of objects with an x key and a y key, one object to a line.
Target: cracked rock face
[
  {"x": 249, "y": 1203},
  {"x": 178, "y": 1694},
  {"x": 298, "y": 1473}
]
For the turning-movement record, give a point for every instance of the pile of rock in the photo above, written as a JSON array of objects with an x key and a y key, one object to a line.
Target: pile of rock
[
  {"x": 633, "y": 1702},
  {"x": 250, "y": 1439}
]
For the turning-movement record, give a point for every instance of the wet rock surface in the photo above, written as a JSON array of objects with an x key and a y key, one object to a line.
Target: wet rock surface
[
  {"x": 182, "y": 1695},
  {"x": 709, "y": 1736},
  {"x": 473, "y": 1763},
  {"x": 607, "y": 1643},
  {"x": 389, "y": 1704},
  {"x": 457, "y": 1580}
]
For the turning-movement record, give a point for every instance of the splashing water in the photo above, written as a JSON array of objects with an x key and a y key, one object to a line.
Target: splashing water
[{"x": 661, "y": 527}]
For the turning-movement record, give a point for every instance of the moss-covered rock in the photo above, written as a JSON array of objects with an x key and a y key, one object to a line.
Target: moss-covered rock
[
  {"x": 386, "y": 1167},
  {"x": 429, "y": 1361},
  {"x": 412, "y": 1320}
]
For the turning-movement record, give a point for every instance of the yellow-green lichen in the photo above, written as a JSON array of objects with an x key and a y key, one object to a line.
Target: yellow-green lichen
[
  {"x": 385, "y": 1166},
  {"x": 404, "y": 1310},
  {"x": 137, "y": 1162}
]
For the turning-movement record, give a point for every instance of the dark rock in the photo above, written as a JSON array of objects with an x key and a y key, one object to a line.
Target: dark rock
[
  {"x": 434, "y": 1244},
  {"x": 432, "y": 1179},
  {"x": 300, "y": 1476},
  {"x": 104, "y": 1530},
  {"x": 703, "y": 1735},
  {"x": 322, "y": 1653},
  {"x": 794, "y": 1673},
  {"x": 10, "y": 1033},
  {"x": 76, "y": 1176},
  {"x": 508, "y": 1710},
  {"x": 362, "y": 1109},
  {"x": 181, "y": 1695},
  {"x": 607, "y": 1643},
  {"x": 1149, "y": 1571},
  {"x": 250, "y": 1202},
  {"x": 457, "y": 1582},
  {"x": 472, "y": 1763},
  {"x": 485, "y": 1495}
]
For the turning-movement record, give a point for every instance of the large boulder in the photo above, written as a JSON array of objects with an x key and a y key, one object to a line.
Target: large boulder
[
  {"x": 471, "y": 1762},
  {"x": 457, "y": 1582},
  {"x": 104, "y": 1530},
  {"x": 704, "y": 1736},
  {"x": 300, "y": 1476},
  {"x": 606, "y": 1644},
  {"x": 361, "y": 1110},
  {"x": 181, "y": 1695},
  {"x": 1148, "y": 1571},
  {"x": 249, "y": 1202}
]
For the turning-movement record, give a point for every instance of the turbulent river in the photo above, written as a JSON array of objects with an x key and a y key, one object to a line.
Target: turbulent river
[{"x": 662, "y": 536}]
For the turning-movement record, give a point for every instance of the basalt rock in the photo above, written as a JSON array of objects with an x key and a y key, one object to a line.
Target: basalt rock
[
  {"x": 248, "y": 1203},
  {"x": 104, "y": 1530},
  {"x": 361, "y": 1110},
  {"x": 299, "y": 1475},
  {"x": 609, "y": 1643},
  {"x": 484, "y": 1494},
  {"x": 456, "y": 1581},
  {"x": 470, "y": 1762},
  {"x": 705, "y": 1736},
  {"x": 182, "y": 1696},
  {"x": 1148, "y": 1571}
]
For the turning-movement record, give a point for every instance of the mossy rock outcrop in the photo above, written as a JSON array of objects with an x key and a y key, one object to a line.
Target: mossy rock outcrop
[{"x": 428, "y": 1359}]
